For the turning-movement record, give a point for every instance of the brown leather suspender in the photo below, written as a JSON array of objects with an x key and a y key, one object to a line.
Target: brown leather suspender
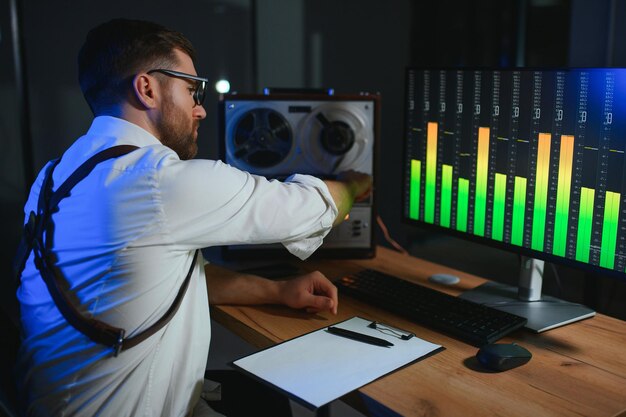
[{"x": 33, "y": 239}]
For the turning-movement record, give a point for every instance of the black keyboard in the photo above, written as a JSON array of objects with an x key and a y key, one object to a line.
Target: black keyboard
[{"x": 465, "y": 320}]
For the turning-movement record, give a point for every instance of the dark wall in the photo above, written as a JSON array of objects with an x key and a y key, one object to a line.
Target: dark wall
[
  {"x": 450, "y": 33},
  {"x": 12, "y": 178}
]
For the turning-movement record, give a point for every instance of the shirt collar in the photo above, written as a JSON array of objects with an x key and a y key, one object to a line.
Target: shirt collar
[{"x": 122, "y": 130}]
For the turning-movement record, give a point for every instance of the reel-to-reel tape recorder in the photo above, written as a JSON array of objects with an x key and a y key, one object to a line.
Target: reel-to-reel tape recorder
[{"x": 278, "y": 135}]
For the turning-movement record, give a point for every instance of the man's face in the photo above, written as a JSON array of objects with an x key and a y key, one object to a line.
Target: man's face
[{"x": 180, "y": 116}]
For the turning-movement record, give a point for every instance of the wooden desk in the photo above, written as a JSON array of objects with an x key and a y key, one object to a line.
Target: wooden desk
[{"x": 578, "y": 369}]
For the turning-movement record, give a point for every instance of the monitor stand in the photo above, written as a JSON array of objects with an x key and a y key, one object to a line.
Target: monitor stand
[{"x": 542, "y": 312}]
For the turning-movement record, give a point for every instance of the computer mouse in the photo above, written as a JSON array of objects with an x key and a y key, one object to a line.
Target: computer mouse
[
  {"x": 444, "y": 279},
  {"x": 502, "y": 356}
]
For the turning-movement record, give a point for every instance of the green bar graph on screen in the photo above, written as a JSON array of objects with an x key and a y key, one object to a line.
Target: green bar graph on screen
[
  {"x": 446, "y": 195},
  {"x": 562, "y": 195},
  {"x": 519, "y": 209},
  {"x": 431, "y": 172},
  {"x": 609, "y": 229},
  {"x": 541, "y": 192},
  {"x": 585, "y": 219},
  {"x": 414, "y": 190},
  {"x": 462, "y": 205},
  {"x": 497, "y": 231},
  {"x": 482, "y": 172}
]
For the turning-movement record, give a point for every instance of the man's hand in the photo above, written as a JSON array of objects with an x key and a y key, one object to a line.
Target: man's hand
[
  {"x": 361, "y": 183},
  {"x": 312, "y": 291}
]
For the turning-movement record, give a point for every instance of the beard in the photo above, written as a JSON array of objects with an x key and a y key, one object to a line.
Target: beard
[{"x": 177, "y": 132}]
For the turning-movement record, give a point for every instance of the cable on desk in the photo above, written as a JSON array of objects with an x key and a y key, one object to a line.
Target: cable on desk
[{"x": 388, "y": 238}]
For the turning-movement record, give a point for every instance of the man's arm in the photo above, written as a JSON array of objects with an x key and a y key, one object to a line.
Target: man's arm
[
  {"x": 312, "y": 291},
  {"x": 349, "y": 187}
]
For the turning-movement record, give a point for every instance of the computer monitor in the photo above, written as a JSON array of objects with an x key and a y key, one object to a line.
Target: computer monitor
[{"x": 527, "y": 160}]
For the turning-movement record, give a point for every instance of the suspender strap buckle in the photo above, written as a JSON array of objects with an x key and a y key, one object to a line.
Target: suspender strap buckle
[{"x": 119, "y": 342}]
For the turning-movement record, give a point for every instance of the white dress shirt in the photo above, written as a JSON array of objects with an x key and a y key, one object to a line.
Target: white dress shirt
[{"x": 124, "y": 240}]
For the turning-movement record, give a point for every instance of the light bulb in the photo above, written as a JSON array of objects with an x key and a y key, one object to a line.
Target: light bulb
[{"x": 222, "y": 86}]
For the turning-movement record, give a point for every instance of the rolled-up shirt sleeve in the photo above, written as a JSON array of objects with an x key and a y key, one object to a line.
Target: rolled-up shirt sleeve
[
  {"x": 209, "y": 203},
  {"x": 304, "y": 247}
]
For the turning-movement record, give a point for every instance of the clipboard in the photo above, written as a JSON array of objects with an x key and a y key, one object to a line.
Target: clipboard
[{"x": 319, "y": 367}]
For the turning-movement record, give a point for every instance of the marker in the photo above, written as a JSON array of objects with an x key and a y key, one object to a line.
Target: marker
[{"x": 359, "y": 336}]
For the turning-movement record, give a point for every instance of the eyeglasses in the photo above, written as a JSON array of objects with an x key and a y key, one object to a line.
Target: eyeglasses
[{"x": 201, "y": 83}]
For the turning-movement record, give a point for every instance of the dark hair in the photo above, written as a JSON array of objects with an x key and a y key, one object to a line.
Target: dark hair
[{"x": 115, "y": 51}]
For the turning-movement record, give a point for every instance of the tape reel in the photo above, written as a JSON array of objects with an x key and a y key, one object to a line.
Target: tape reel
[
  {"x": 277, "y": 138},
  {"x": 340, "y": 138},
  {"x": 262, "y": 138}
]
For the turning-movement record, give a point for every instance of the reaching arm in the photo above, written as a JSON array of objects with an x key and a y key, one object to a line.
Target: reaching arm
[{"x": 312, "y": 291}]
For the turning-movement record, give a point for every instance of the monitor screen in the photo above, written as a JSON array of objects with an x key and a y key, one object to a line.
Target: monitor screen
[{"x": 529, "y": 160}]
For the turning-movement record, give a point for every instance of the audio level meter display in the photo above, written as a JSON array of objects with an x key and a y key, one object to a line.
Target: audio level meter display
[{"x": 531, "y": 158}]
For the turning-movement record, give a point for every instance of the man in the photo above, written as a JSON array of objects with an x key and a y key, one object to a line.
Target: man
[{"x": 126, "y": 234}]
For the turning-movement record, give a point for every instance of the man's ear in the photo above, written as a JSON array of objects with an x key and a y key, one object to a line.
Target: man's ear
[{"x": 146, "y": 90}]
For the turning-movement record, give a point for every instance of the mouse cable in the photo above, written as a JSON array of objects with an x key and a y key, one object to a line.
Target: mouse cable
[{"x": 388, "y": 238}]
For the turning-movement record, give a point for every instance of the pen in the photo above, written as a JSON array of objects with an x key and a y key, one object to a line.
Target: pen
[{"x": 359, "y": 336}]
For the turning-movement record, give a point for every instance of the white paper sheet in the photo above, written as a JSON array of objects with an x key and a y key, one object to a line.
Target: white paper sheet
[{"x": 320, "y": 367}]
